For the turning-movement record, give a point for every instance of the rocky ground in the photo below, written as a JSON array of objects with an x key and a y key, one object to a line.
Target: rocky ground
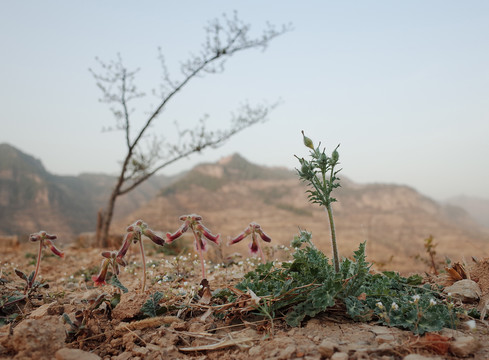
[{"x": 191, "y": 329}]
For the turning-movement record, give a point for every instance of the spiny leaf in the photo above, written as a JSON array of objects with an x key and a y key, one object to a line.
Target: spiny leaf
[{"x": 151, "y": 308}]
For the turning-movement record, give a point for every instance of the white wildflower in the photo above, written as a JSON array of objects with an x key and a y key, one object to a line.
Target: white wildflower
[
  {"x": 416, "y": 298},
  {"x": 471, "y": 324},
  {"x": 394, "y": 306},
  {"x": 380, "y": 305},
  {"x": 432, "y": 302}
]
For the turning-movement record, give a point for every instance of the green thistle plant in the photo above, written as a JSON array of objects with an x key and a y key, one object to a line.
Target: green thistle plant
[{"x": 320, "y": 175}]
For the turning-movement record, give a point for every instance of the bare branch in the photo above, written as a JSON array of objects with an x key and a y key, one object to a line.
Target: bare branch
[{"x": 224, "y": 38}]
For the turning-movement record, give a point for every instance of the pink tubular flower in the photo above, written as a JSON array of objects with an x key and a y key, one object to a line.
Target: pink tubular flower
[
  {"x": 253, "y": 229},
  {"x": 200, "y": 232},
  {"x": 110, "y": 259},
  {"x": 134, "y": 233},
  {"x": 45, "y": 240},
  {"x": 99, "y": 279}
]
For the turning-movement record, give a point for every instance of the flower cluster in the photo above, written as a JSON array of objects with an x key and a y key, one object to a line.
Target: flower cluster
[
  {"x": 134, "y": 235},
  {"x": 192, "y": 223},
  {"x": 253, "y": 229}
]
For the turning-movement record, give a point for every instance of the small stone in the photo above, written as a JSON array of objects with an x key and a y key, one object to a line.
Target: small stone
[
  {"x": 40, "y": 311},
  {"x": 124, "y": 356},
  {"x": 385, "y": 338},
  {"x": 339, "y": 356},
  {"x": 38, "y": 339},
  {"x": 465, "y": 290},
  {"x": 255, "y": 351},
  {"x": 380, "y": 330},
  {"x": 464, "y": 346},
  {"x": 140, "y": 351},
  {"x": 75, "y": 354},
  {"x": 327, "y": 348},
  {"x": 418, "y": 357},
  {"x": 287, "y": 352}
]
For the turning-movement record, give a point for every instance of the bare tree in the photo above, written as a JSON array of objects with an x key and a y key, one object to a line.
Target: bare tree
[{"x": 143, "y": 159}]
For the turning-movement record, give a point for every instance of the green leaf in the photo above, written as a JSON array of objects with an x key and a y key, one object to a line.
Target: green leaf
[
  {"x": 115, "y": 300},
  {"x": 20, "y": 274},
  {"x": 114, "y": 281},
  {"x": 67, "y": 320},
  {"x": 151, "y": 308}
]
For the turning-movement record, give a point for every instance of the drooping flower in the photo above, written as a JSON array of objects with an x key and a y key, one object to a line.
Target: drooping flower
[
  {"x": 200, "y": 232},
  {"x": 110, "y": 259},
  {"x": 134, "y": 234},
  {"x": 253, "y": 229},
  {"x": 45, "y": 240}
]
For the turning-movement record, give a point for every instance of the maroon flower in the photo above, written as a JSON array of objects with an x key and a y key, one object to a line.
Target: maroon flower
[
  {"x": 253, "y": 229},
  {"x": 44, "y": 239},
  {"x": 134, "y": 234},
  {"x": 200, "y": 232},
  {"x": 110, "y": 259},
  {"x": 99, "y": 279}
]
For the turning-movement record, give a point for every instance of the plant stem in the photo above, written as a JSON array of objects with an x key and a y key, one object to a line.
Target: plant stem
[
  {"x": 263, "y": 260},
  {"x": 199, "y": 250},
  {"x": 38, "y": 265},
  {"x": 144, "y": 264},
  {"x": 336, "y": 259}
]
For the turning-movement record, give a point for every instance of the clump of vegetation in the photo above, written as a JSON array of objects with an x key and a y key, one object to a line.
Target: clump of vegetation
[
  {"x": 310, "y": 284},
  {"x": 253, "y": 229},
  {"x": 200, "y": 232}
]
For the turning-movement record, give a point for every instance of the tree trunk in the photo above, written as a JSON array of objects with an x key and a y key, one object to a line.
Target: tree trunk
[{"x": 106, "y": 220}]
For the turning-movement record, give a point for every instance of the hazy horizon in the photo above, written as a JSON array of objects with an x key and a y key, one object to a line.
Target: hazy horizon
[{"x": 402, "y": 86}]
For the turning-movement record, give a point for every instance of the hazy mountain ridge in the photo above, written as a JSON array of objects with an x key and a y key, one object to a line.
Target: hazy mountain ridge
[
  {"x": 478, "y": 208},
  {"x": 231, "y": 193},
  {"x": 32, "y": 199},
  {"x": 393, "y": 219}
]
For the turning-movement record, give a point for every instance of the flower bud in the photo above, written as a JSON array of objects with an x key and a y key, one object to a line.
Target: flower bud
[
  {"x": 335, "y": 156},
  {"x": 307, "y": 142}
]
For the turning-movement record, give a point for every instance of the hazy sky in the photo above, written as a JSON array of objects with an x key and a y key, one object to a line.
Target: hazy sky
[{"x": 402, "y": 85}]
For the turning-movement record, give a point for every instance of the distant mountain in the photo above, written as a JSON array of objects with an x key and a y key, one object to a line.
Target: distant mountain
[
  {"x": 393, "y": 219},
  {"x": 478, "y": 208},
  {"x": 229, "y": 195},
  {"x": 32, "y": 199}
]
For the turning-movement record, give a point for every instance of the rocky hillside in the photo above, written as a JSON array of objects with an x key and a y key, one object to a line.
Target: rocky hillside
[
  {"x": 478, "y": 208},
  {"x": 393, "y": 219},
  {"x": 32, "y": 199}
]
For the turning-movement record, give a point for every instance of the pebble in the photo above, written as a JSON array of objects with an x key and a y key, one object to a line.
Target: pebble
[
  {"x": 40, "y": 311},
  {"x": 464, "y": 346},
  {"x": 124, "y": 356},
  {"x": 327, "y": 348},
  {"x": 385, "y": 338},
  {"x": 419, "y": 357},
  {"x": 465, "y": 290},
  {"x": 339, "y": 356},
  {"x": 75, "y": 354}
]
